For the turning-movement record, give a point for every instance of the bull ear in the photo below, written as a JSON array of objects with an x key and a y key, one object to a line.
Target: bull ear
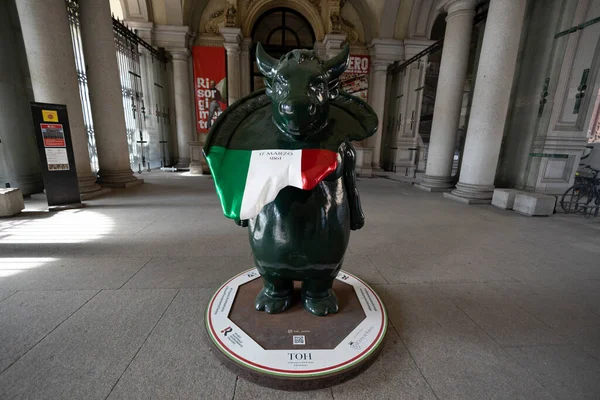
[
  {"x": 266, "y": 64},
  {"x": 338, "y": 64}
]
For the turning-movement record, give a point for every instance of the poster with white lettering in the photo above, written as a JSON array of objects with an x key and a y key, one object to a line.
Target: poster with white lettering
[
  {"x": 355, "y": 80},
  {"x": 210, "y": 85}
]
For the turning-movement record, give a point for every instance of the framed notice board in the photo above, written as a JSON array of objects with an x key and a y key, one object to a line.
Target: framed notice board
[{"x": 53, "y": 134}]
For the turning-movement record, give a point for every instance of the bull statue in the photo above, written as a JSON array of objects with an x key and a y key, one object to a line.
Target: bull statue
[{"x": 284, "y": 167}]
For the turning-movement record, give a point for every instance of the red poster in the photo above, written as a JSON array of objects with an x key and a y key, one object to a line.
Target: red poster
[
  {"x": 53, "y": 134},
  {"x": 210, "y": 85},
  {"x": 355, "y": 80}
]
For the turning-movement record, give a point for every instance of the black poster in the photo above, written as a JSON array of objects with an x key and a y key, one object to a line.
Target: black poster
[{"x": 51, "y": 123}]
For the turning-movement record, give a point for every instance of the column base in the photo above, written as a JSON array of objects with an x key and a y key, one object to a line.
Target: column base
[
  {"x": 183, "y": 164},
  {"x": 118, "y": 179},
  {"x": 94, "y": 195},
  {"x": 436, "y": 184},
  {"x": 88, "y": 188},
  {"x": 364, "y": 156},
  {"x": 471, "y": 194}
]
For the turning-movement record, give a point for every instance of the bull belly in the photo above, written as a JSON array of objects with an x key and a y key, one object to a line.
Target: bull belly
[{"x": 302, "y": 233}]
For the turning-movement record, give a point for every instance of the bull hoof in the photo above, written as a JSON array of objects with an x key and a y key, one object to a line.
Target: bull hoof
[
  {"x": 272, "y": 305},
  {"x": 321, "y": 306}
]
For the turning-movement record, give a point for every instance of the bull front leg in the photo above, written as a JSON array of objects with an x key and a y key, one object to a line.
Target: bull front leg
[{"x": 357, "y": 218}]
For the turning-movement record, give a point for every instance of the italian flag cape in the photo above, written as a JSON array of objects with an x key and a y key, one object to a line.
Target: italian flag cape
[{"x": 247, "y": 180}]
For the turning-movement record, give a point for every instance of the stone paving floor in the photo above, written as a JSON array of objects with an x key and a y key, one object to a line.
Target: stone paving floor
[{"x": 108, "y": 301}]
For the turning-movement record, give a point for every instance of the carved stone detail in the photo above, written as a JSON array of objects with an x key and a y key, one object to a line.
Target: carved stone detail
[
  {"x": 230, "y": 17},
  {"x": 212, "y": 26}
]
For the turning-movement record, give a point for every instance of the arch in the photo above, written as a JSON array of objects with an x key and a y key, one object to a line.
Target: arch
[
  {"x": 422, "y": 16},
  {"x": 369, "y": 22},
  {"x": 306, "y": 9},
  {"x": 138, "y": 10},
  {"x": 388, "y": 19}
]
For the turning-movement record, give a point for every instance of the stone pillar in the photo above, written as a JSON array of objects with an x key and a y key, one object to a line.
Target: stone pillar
[
  {"x": 319, "y": 48},
  {"x": 245, "y": 66},
  {"x": 183, "y": 104},
  {"x": 448, "y": 97},
  {"x": 383, "y": 53},
  {"x": 494, "y": 80},
  {"x": 233, "y": 39},
  {"x": 104, "y": 85},
  {"x": 19, "y": 160},
  {"x": 50, "y": 57}
]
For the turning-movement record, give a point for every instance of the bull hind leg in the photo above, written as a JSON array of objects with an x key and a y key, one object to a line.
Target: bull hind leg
[
  {"x": 318, "y": 296},
  {"x": 276, "y": 294}
]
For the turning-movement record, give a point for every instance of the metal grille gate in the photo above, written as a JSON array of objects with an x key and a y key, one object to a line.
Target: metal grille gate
[
  {"x": 73, "y": 13},
  {"x": 142, "y": 70}
]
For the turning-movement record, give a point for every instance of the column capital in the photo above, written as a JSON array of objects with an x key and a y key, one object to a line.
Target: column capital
[
  {"x": 386, "y": 51},
  {"x": 144, "y": 29},
  {"x": 413, "y": 47},
  {"x": 171, "y": 36},
  {"x": 333, "y": 42},
  {"x": 319, "y": 48},
  {"x": 178, "y": 53},
  {"x": 232, "y": 35},
  {"x": 453, "y": 7}
]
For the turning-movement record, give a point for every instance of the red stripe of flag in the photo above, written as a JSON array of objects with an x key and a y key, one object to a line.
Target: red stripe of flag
[{"x": 316, "y": 165}]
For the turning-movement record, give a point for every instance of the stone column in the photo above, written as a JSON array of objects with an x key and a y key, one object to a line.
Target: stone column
[
  {"x": 183, "y": 104},
  {"x": 383, "y": 53},
  {"x": 233, "y": 39},
  {"x": 19, "y": 160},
  {"x": 448, "y": 97},
  {"x": 104, "y": 85},
  {"x": 495, "y": 74},
  {"x": 51, "y": 61},
  {"x": 245, "y": 66}
]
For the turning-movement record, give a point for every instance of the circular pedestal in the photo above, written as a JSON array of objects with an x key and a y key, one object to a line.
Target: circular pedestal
[{"x": 296, "y": 350}]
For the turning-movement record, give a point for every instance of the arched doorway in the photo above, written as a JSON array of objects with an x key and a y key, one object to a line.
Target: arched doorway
[{"x": 279, "y": 30}]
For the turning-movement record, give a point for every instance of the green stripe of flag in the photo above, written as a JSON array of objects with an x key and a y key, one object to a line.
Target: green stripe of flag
[{"x": 230, "y": 171}]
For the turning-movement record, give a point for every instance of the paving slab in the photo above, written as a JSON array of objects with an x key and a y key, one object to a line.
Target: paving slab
[
  {"x": 6, "y": 293},
  {"x": 557, "y": 310},
  {"x": 245, "y": 390},
  {"x": 27, "y": 317},
  {"x": 567, "y": 371},
  {"x": 186, "y": 272},
  {"x": 458, "y": 359},
  {"x": 62, "y": 273},
  {"x": 394, "y": 375},
  {"x": 85, "y": 356},
  {"x": 426, "y": 268},
  {"x": 502, "y": 319},
  {"x": 363, "y": 267},
  {"x": 176, "y": 360}
]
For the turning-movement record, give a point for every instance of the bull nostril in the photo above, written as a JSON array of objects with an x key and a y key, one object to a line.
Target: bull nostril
[
  {"x": 312, "y": 109},
  {"x": 285, "y": 108}
]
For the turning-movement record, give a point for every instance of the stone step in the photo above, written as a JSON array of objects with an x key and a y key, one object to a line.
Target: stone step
[
  {"x": 11, "y": 202},
  {"x": 534, "y": 204}
]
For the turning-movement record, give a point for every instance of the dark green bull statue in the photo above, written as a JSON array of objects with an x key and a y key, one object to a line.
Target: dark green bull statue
[{"x": 284, "y": 167}]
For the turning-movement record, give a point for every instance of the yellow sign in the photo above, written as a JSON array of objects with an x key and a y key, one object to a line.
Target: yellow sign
[{"x": 49, "y": 116}]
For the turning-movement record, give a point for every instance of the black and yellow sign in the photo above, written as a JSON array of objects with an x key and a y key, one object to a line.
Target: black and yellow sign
[{"x": 53, "y": 134}]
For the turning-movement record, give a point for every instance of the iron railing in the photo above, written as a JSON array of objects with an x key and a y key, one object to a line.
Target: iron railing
[
  {"x": 73, "y": 14},
  {"x": 142, "y": 71}
]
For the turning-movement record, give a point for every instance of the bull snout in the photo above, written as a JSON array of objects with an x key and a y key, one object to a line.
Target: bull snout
[
  {"x": 298, "y": 114},
  {"x": 291, "y": 108}
]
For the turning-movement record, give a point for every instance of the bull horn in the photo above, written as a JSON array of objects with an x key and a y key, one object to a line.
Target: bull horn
[
  {"x": 266, "y": 64},
  {"x": 337, "y": 65}
]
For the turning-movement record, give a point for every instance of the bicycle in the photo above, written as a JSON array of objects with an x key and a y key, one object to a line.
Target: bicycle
[{"x": 579, "y": 197}]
